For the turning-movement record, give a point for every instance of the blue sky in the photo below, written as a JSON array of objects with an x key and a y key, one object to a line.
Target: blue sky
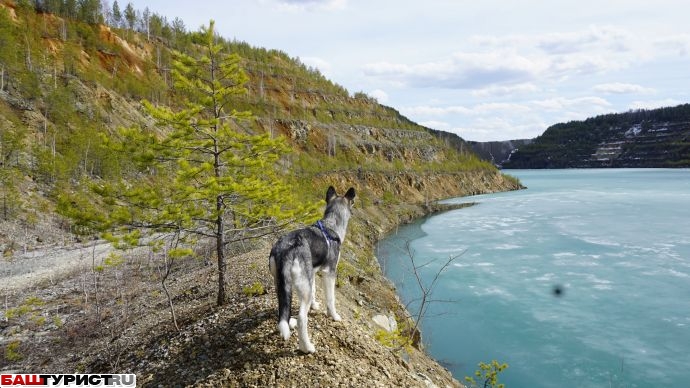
[{"x": 486, "y": 70}]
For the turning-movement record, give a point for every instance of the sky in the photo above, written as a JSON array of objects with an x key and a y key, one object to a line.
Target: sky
[{"x": 484, "y": 69}]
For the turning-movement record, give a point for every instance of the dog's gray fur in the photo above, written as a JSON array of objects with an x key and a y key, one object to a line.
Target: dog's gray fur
[{"x": 297, "y": 256}]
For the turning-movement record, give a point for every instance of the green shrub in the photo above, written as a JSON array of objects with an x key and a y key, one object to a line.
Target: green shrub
[
  {"x": 395, "y": 339},
  {"x": 256, "y": 289},
  {"x": 487, "y": 375},
  {"x": 12, "y": 351}
]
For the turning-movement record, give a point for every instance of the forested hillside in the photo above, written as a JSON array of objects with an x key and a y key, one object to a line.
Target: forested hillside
[
  {"x": 643, "y": 138},
  {"x": 68, "y": 83}
]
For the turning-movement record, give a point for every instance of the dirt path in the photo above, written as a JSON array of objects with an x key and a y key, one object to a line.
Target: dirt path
[{"x": 24, "y": 270}]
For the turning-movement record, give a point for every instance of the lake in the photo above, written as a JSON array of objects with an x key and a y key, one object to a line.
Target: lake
[{"x": 581, "y": 280}]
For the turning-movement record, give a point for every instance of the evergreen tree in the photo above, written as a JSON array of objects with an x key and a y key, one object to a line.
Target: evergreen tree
[
  {"x": 90, "y": 11},
  {"x": 178, "y": 30},
  {"x": 130, "y": 16},
  {"x": 12, "y": 141},
  {"x": 9, "y": 58},
  {"x": 178, "y": 26},
  {"x": 156, "y": 23},
  {"x": 145, "y": 19},
  {"x": 205, "y": 178},
  {"x": 69, "y": 9},
  {"x": 116, "y": 15}
]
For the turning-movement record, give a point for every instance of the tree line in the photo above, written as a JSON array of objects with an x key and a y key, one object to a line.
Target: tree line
[{"x": 116, "y": 15}]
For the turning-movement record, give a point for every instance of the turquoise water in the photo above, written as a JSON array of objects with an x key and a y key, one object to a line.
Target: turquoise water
[{"x": 615, "y": 242}]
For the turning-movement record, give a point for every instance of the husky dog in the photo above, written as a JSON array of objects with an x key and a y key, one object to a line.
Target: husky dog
[{"x": 297, "y": 256}]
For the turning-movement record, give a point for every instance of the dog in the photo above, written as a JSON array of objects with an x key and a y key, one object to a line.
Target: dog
[{"x": 296, "y": 258}]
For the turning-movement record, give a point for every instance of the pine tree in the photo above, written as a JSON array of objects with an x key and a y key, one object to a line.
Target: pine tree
[
  {"x": 145, "y": 20},
  {"x": 178, "y": 30},
  {"x": 130, "y": 16},
  {"x": 200, "y": 176},
  {"x": 117, "y": 15},
  {"x": 90, "y": 11},
  {"x": 11, "y": 145},
  {"x": 69, "y": 9},
  {"x": 9, "y": 58}
]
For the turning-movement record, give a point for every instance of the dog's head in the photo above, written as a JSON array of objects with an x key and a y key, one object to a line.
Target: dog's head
[
  {"x": 331, "y": 194},
  {"x": 341, "y": 204}
]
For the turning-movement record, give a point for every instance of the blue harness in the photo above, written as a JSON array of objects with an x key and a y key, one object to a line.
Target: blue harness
[{"x": 326, "y": 234}]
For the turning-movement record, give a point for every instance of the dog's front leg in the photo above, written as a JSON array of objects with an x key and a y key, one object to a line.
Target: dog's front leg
[{"x": 329, "y": 288}]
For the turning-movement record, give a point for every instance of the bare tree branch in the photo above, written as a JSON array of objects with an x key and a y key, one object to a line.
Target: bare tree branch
[{"x": 426, "y": 289}]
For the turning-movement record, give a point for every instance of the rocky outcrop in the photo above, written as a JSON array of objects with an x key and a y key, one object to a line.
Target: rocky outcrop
[{"x": 498, "y": 152}]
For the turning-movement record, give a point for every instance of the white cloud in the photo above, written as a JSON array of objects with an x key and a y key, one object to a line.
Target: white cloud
[
  {"x": 309, "y": 5},
  {"x": 653, "y": 104},
  {"x": 622, "y": 88},
  {"x": 508, "y": 90},
  {"x": 502, "y": 107},
  {"x": 507, "y": 120},
  {"x": 594, "y": 38},
  {"x": 677, "y": 44},
  {"x": 587, "y": 51},
  {"x": 501, "y": 128},
  {"x": 465, "y": 70},
  {"x": 481, "y": 122},
  {"x": 426, "y": 111},
  {"x": 474, "y": 133},
  {"x": 477, "y": 110},
  {"x": 422, "y": 110},
  {"x": 440, "y": 125},
  {"x": 585, "y": 63},
  {"x": 578, "y": 103},
  {"x": 380, "y": 95},
  {"x": 497, "y": 64},
  {"x": 324, "y": 66}
]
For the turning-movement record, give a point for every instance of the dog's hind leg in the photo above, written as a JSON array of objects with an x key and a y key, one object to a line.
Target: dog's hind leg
[
  {"x": 303, "y": 284},
  {"x": 284, "y": 291},
  {"x": 329, "y": 279},
  {"x": 314, "y": 303}
]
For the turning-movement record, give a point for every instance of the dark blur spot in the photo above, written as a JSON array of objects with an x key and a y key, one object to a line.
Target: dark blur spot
[{"x": 558, "y": 290}]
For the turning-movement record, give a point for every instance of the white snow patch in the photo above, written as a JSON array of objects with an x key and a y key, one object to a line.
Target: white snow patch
[{"x": 633, "y": 131}]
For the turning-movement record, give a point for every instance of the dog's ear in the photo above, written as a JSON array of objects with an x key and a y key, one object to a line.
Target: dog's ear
[
  {"x": 350, "y": 195},
  {"x": 330, "y": 194}
]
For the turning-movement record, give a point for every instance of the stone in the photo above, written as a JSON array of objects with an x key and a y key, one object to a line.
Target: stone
[{"x": 382, "y": 322}]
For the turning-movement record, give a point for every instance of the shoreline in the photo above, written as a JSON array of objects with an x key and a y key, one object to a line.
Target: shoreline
[{"x": 403, "y": 214}]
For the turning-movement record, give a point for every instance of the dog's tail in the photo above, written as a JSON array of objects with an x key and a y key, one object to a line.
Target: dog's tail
[{"x": 283, "y": 276}]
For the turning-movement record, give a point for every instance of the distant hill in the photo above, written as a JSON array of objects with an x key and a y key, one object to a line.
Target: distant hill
[{"x": 641, "y": 138}]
